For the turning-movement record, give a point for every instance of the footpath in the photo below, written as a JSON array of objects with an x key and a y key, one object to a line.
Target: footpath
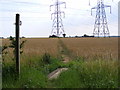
[{"x": 65, "y": 54}]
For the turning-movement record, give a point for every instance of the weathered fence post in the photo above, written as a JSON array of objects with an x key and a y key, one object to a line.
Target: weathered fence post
[{"x": 17, "y": 46}]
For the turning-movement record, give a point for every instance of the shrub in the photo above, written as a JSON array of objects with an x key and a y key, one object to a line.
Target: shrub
[{"x": 46, "y": 58}]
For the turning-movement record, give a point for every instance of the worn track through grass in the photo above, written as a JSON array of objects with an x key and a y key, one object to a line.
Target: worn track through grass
[
  {"x": 64, "y": 52},
  {"x": 65, "y": 55}
]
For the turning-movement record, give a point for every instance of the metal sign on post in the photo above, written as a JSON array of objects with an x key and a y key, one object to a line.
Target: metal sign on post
[{"x": 17, "y": 46}]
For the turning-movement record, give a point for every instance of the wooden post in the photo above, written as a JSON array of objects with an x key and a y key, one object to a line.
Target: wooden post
[{"x": 17, "y": 46}]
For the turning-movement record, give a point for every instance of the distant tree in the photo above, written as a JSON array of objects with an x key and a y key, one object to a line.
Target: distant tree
[
  {"x": 64, "y": 35},
  {"x": 53, "y": 36},
  {"x": 76, "y": 36},
  {"x": 23, "y": 37},
  {"x": 85, "y": 35}
]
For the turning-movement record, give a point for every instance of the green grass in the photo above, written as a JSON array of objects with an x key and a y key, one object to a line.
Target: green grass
[
  {"x": 29, "y": 77},
  {"x": 89, "y": 74},
  {"x": 33, "y": 73},
  {"x": 82, "y": 73}
]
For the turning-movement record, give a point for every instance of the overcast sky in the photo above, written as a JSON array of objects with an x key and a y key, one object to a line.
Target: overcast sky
[{"x": 36, "y": 17}]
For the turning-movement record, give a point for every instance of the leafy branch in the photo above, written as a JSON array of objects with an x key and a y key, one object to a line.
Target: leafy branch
[
  {"x": 13, "y": 44},
  {"x": 3, "y": 51}
]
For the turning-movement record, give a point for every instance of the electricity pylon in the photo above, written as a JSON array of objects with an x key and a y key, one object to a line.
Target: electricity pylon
[
  {"x": 101, "y": 27},
  {"x": 57, "y": 27}
]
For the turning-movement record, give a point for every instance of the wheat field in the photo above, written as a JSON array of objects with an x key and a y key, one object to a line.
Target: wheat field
[
  {"x": 90, "y": 47},
  {"x": 106, "y": 48}
]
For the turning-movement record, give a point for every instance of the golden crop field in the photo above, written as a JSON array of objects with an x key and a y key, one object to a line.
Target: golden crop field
[
  {"x": 90, "y": 47},
  {"x": 106, "y": 48}
]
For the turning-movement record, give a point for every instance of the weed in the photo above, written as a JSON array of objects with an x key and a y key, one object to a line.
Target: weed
[{"x": 46, "y": 58}]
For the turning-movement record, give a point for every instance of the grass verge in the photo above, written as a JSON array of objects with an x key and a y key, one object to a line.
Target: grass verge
[
  {"x": 82, "y": 73},
  {"x": 89, "y": 74}
]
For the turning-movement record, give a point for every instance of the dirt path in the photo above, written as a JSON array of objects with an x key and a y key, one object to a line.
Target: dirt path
[
  {"x": 64, "y": 52},
  {"x": 65, "y": 56}
]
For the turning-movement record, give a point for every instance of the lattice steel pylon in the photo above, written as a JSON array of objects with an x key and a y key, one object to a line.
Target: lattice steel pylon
[
  {"x": 100, "y": 26},
  {"x": 57, "y": 27}
]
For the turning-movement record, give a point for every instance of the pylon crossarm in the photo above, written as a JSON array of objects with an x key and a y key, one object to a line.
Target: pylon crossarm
[
  {"x": 62, "y": 3},
  {"x": 92, "y": 9},
  {"x": 51, "y": 6},
  {"x": 108, "y": 6},
  {"x": 59, "y": 12},
  {"x": 52, "y": 15}
]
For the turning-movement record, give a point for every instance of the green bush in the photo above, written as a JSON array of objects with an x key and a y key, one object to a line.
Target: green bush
[
  {"x": 46, "y": 58},
  {"x": 53, "y": 65}
]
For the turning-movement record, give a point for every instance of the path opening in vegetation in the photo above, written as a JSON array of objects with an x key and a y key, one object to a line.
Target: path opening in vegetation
[
  {"x": 64, "y": 52},
  {"x": 65, "y": 55}
]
